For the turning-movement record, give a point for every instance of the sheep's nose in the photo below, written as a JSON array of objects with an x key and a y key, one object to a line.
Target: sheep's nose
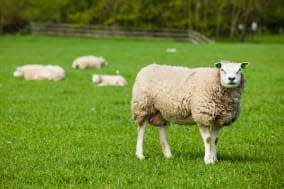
[{"x": 231, "y": 78}]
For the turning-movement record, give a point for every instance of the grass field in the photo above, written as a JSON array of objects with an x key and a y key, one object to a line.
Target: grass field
[{"x": 72, "y": 134}]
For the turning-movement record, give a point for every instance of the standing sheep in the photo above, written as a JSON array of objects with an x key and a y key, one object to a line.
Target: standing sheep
[{"x": 209, "y": 97}]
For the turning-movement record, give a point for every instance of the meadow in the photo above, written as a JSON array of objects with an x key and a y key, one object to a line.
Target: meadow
[{"x": 72, "y": 134}]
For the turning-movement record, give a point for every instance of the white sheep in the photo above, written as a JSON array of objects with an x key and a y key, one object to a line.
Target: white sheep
[
  {"x": 20, "y": 71},
  {"x": 171, "y": 50},
  {"x": 40, "y": 72},
  {"x": 89, "y": 62},
  {"x": 53, "y": 72},
  {"x": 109, "y": 80},
  {"x": 208, "y": 97}
]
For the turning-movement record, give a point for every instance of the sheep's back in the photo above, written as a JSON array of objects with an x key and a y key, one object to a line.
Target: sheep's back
[
  {"x": 170, "y": 89},
  {"x": 163, "y": 80}
]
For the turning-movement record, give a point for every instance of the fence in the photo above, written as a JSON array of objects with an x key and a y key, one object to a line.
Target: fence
[{"x": 106, "y": 31}]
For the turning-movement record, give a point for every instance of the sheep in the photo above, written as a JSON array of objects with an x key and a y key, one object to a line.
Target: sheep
[
  {"x": 40, "y": 72},
  {"x": 89, "y": 62},
  {"x": 20, "y": 71},
  {"x": 208, "y": 97},
  {"x": 171, "y": 50},
  {"x": 106, "y": 80},
  {"x": 53, "y": 72}
]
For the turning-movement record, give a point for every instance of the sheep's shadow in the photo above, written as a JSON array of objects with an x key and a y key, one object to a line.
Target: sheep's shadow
[
  {"x": 223, "y": 157},
  {"x": 240, "y": 158}
]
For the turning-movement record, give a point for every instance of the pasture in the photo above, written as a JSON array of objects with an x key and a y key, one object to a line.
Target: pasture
[{"x": 72, "y": 134}]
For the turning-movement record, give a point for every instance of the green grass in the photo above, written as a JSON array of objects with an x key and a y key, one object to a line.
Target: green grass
[
  {"x": 72, "y": 134},
  {"x": 256, "y": 38},
  {"x": 266, "y": 38}
]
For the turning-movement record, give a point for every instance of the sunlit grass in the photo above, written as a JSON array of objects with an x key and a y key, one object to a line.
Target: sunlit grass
[{"x": 75, "y": 135}]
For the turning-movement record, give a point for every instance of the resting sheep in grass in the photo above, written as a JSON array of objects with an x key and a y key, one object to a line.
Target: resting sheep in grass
[
  {"x": 89, "y": 62},
  {"x": 53, "y": 72},
  {"x": 20, "y": 71},
  {"x": 109, "y": 80},
  {"x": 40, "y": 72},
  {"x": 209, "y": 97}
]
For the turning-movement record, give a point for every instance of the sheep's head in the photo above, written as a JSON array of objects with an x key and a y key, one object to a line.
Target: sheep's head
[
  {"x": 102, "y": 61},
  {"x": 18, "y": 73},
  {"x": 97, "y": 78},
  {"x": 231, "y": 73}
]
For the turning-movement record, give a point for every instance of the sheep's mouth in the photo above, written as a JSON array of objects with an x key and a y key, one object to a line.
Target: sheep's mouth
[{"x": 232, "y": 83}]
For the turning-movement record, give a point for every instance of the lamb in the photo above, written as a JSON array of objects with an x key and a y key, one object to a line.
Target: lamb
[
  {"x": 40, "y": 72},
  {"x": 105, "y": 80},
  {"x": 208, "y": 97},
  {"x": 89, "y": 62}
]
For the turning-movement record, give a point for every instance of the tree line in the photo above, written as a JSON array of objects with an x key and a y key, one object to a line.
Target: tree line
[{"x": 211, "y": 17}]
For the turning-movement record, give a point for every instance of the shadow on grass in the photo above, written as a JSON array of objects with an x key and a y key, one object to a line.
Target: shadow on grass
[
  {"x": 222, "y": 157},
  {"x": 240, "y": 158}
]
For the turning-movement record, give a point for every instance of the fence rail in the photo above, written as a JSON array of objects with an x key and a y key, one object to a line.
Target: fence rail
[{"x": 105, "y": 31}]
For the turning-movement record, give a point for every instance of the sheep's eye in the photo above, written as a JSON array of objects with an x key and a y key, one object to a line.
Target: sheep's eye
[
  {"x": 222, "y": 70},
  {"x": 239, "y": 70}
]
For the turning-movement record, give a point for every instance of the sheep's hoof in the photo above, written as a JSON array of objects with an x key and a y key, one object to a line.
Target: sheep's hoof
[
  {"x": 168, "y": 156},
  {"x": 140, "y": 156},
  {"x": 210, "y": 160}
]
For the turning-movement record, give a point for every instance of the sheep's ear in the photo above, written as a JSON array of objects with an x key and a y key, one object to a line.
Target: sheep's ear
[
  {"x": 218, "y": 65},
  {"x": 244, "y": 65}
]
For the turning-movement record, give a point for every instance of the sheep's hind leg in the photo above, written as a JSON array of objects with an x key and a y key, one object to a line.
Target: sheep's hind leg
[
  {"x": 209, "y": 136},
  {"x": 164, "y": 141},
  {"x": 140, "y": 137}
]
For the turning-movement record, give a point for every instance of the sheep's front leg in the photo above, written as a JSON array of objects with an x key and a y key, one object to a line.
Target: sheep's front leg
[
  {"x": 140, "y": 137},
  {"x": 164, "y": 141},
  {"x": 210, "y": 137}
]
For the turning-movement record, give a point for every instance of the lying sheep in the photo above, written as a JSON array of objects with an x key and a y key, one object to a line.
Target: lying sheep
[
  {"x": 109, "y": 80},
  {"x": 20, "y": 71},
  {"x": 171, "y": 50},
  {"x": 89, "y": 62},
  {"x": 209, "y": 97},
  {"x": 40, "y": 72},
  {"x": 53, "y": 72}
]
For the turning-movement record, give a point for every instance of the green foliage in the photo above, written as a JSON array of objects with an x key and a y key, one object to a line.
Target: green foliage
[
  {"x": 72, "y": 134},
  {"x": 214, "y": 17},
  {"x": 47, "y": 10},
  {"x": 10, "y": 10}
]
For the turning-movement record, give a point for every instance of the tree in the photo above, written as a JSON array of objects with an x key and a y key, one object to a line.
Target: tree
[
  {"x": 211, "y": 17},
  {"x": 10, "y": 10},
  {"x": 47, "y": 10}
]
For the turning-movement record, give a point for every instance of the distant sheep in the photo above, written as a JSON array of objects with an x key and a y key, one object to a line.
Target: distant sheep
[
  {"x": 109, "y": 80},
  {"x": 208, "y": 97},
  {"x": 40, "y": 72},
  {"x": 89, "y": 62},
  {"x": 171, "y": 50}
]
